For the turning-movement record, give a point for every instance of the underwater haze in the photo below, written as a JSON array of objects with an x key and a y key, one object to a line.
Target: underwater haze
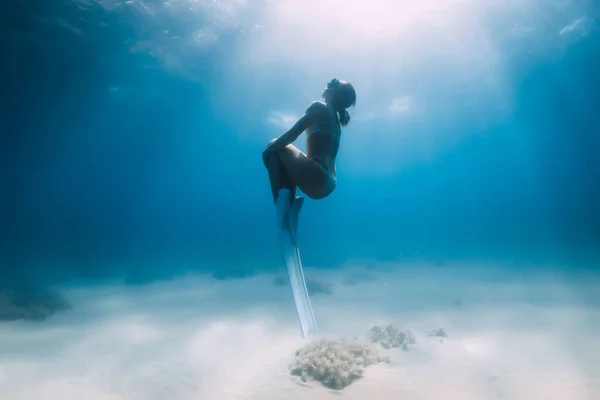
[
  {"x": 132, "y": 186},
  {"x": 132, "y": 132}
]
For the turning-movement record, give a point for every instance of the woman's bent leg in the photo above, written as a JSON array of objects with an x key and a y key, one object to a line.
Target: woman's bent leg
[
  {"x": 308, "y": 175},
  {"x": 290, "y": 168},
  {"x": 278, "y": 177}
]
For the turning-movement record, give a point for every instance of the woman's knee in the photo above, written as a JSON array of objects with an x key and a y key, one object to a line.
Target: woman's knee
[{"x": 272, "y": 160}]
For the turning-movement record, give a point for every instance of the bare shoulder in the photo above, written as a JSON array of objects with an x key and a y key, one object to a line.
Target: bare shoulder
[{"x": 316, "y": 108}]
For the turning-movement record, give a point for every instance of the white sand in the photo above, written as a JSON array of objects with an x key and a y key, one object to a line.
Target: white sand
[{"x": 527, "y": 337}]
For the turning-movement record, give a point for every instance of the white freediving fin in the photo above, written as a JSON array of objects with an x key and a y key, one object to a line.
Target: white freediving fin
[
  {"x": 282, "y": 207},
  {"x": 287, "y": 226},
  {"x": 293, "y": 217}
]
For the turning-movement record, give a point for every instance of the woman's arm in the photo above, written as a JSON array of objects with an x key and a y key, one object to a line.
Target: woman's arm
[{"x": 300, "y": 126}]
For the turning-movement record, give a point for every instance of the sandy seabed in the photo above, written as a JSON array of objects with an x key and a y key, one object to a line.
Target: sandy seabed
[{"x": 531, "y": 335}]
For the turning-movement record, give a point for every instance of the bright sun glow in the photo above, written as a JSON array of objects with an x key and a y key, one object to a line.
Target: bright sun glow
[{"x": 413, "y": 62}]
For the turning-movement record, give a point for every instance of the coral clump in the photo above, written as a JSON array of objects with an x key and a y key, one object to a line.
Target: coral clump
[
  {"x": 334, "y": 363},
  {"x": 391, "y": 337}
]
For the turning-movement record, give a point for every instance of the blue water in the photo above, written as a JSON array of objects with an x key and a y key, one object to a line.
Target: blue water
[
  {"x": 113, "y": 152},
  {"x": 131, "y": 137}
]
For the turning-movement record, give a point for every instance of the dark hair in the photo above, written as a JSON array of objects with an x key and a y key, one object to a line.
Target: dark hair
[
  {"x": 346, "y": 99},
  {"x": 344, "y": 116}
]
